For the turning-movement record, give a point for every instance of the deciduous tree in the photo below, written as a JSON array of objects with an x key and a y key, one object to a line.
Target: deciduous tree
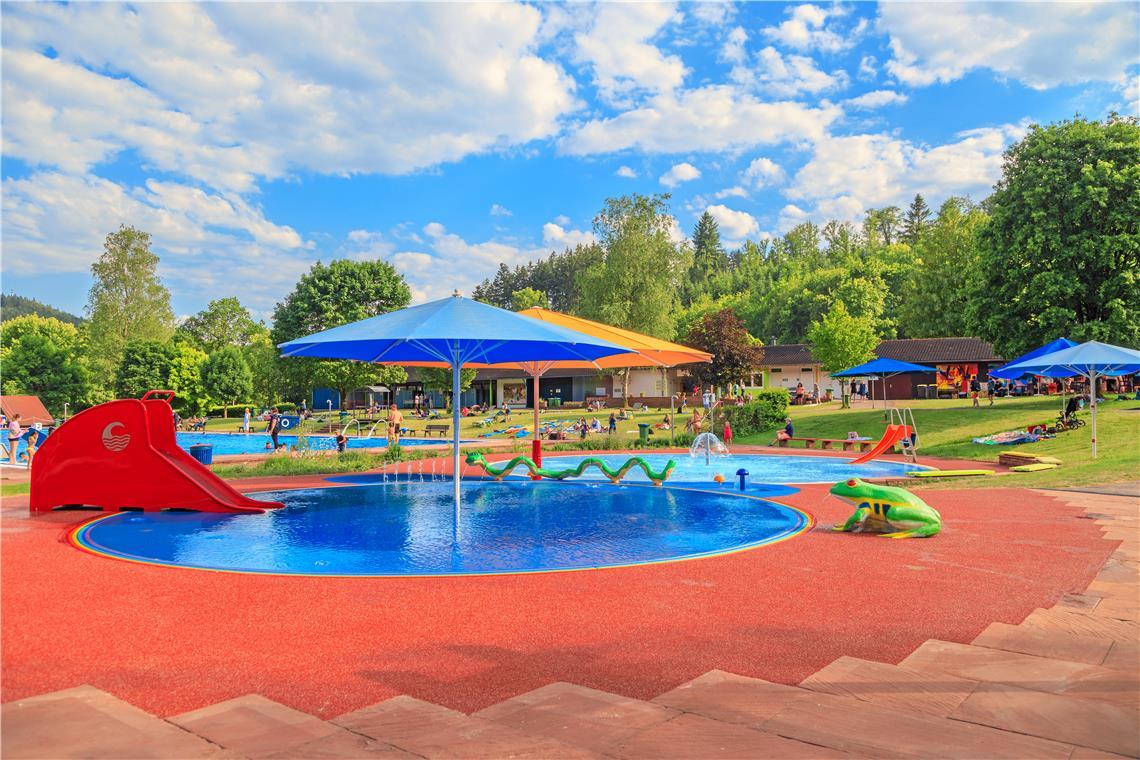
[
  {"x": 224, "y": 322},
  {"x": 226, "y": 377},
  {"x": 839, "y": 340},
  {"x": 735, "y": 352}
]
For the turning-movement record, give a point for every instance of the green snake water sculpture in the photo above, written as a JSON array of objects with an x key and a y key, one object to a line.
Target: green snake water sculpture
[{"x": 500, "y": 472}]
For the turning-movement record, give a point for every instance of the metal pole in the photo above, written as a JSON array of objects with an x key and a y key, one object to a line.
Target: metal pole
[
  {"x": 1092, "y": 405},
  {"x": 455, "y": 366},
  {"x": 536, "y": 445},
  {"x": 672, "y": 417}
]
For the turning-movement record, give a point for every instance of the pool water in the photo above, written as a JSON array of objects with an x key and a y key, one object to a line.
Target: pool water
[
  {"x": 255, "y": 443},
  {"x": 408, "y": 528},
  {"x": 762, "y": 468}
]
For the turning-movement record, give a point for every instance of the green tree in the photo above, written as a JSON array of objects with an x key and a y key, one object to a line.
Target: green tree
[
  {"x": 634, "y": 284},
  {"x": 881, "y": 225},
  {"x": 42, "y": 356},
  {"x": 12, "y": 306},
  {"x": 127, "y": 301},
  {"x": 527, "y": 298},
  {"x": 839, "y": 340},
  {"x": 1061, "y": 250},
  {"x": 185, "y": 378},
  {"x": 915, "y": 220},
  {"x": 226, "y": 377},
  {"x": 330, "y": 296},
  {"x": 439, "y": 379},
  {"x": 735, "y": 352},
  {"x": 709, "y": 259},
  {"x": 145, "y": 365},
  {"x": 934, "y": 295},
  {"x": 269, "y": 384},
  {"x": 224, "y": 322}
]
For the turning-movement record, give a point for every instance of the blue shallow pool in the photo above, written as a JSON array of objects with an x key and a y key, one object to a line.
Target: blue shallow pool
[
  {"x": 410, "y": 529},
  {"x": 762, "y": 468},
  {"x": 255, "y": 443}
]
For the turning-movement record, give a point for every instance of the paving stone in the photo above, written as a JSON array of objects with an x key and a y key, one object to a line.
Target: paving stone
[
  {"x": 1084, "y": 625},
  {"x": 254, "y": 725},
  {"x": 400, "y": 719},
  {"x": 1026, "y": 671},
  {"x": 343, "y": 744},
  {"x": 577, "y": 715},
  {"x": 866, "y": 729},
  {"x": 891, "y": 685},
  {"x": 1113, "y": 589},
  {"x": 1084, "y": 722},
  {"x": 729, "y": 697},
  {"x": 694, "y": 736},
  {"x": 1124, "y": 655},
  {"x": 1085, "y": 753},
  {"x": 1044, "y": 642},
  {"x": 1118, "y": 609},
  {"x": 475, "y": 738},
  {"x": 1116, "y": 571},
  {"x": 89, "y": 723},
  {"x": 1078, "y": 601}
]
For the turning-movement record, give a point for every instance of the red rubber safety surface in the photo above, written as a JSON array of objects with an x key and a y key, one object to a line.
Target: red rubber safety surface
[{"x": 172, "y": 640}]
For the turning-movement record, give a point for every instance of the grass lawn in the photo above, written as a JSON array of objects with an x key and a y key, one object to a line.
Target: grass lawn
[
  {"x": 14, "y": 489},
  {"x": 946, "y": 427}
]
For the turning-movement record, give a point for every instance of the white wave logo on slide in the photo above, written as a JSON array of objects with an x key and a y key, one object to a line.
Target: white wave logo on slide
[{"x": 116, "y": 443}]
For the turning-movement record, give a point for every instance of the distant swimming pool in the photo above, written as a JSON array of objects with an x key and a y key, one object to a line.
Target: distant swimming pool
[
  {"x": 255, "y": 443},
  {"x": 411, "y": 528}
]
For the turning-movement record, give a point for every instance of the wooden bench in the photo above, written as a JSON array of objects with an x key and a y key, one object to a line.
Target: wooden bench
[
  {"x": 828, "y": 443},
  {"x": 441, "y": 429}
]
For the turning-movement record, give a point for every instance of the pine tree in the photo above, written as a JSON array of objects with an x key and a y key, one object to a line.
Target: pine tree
[
  {"x": 709, "y": 258},
  {"x": 914, "y": 221}
]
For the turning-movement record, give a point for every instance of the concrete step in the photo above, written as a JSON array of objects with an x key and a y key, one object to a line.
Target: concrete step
[
  {"x": 578, "y": 716},
  {"x": 870, "y": 730},
  {"x": 256, "y": 726},
  {"x": 1025, "y": 671},
  {"x": 89, "y": 723},
  {"x": 731, "y": 698},
  {"x": 1045, "y": 642},
  {"x": 689, "y": 736},
  {"x": 891, "y": 686},
  {"x": 1088, "y": 723},
  {"x": 430, "y": 730},
  {"x": 1084, "y": 625}
]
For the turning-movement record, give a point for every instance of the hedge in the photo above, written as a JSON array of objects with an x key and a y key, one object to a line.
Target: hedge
[
  {"x": 236, "y": 410},
  {"x": 767, "y": 411}
]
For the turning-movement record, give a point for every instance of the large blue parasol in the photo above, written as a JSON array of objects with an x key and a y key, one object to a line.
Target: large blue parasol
[
  {"x": 1092, "y": 360},
  {"x": 455, "y": 331},
  {"x": 1004, "y": 373}
]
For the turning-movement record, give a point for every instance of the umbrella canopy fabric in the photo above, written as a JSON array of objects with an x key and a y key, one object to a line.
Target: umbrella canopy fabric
[
  {"x": 882, "y": 368},
  {"x": 1092, "y": 360},
  {"x": 1005, "y": 373},
  {"x": 456, "y": 330}
]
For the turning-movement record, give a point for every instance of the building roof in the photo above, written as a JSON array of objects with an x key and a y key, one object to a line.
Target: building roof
[
  {"x": 30, "y": 409},
  {"x": 938, "y": 350},
  {"x": 788, "y": 354}
]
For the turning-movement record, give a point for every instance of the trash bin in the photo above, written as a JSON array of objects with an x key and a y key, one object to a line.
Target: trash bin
[
  {"x": 203, "y": 453},
  {"x": 554, "y": 402},
  {"x": 643, "y": 432}
]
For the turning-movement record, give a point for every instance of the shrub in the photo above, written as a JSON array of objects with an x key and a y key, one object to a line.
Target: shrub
[{"x": 766, "y": 412}]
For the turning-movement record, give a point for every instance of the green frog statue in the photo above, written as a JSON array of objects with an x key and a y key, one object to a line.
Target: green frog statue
[{"x": 894, "y": 512}]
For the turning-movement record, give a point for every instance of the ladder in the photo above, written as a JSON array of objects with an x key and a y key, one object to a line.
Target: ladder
[{"x": 908, "y": 444}]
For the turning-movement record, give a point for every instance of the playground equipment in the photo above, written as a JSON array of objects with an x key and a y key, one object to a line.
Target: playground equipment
[
  {"x": 707, "y": 444},
  {"x": 124, "y": 455},
  {"x": 894, "y": 512},
  {"x": 498, "y": 473},
  {"x": 900, "y": 430}
]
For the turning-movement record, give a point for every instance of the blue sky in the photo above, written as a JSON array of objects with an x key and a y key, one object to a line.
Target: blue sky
[{"x": 251, "y": 140}]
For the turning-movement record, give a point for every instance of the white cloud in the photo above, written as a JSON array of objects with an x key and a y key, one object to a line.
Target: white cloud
[
  {"x": 733, "y": 50},
  {"x": 789, "y": 76},
  {"x": 712, "y": 13},
  {"x": 734, "y": 224},
  {"x": 562, "y": 220},
  {"x": 805, "y": 29},
  {"x": 229, "y": 93},
  {"x": 678, "y": 173},
  {"x": 867, "y": 68},
  {"x": 763, "y": 172},
  {"x": 497, "y": 210},
  {"x": 847, "y": 175},
  {"x": 555, "y": 234},
  {"x": 1041, "y": 45},
  {"x": 712, "y": 118},
  {"x": 876, "y": 99},
  {"x": 625, "y": 172},
  {"x": 735, "y": 191},
  {"x": 624, "y": 62},
  {"x": 208, "y": 244}
]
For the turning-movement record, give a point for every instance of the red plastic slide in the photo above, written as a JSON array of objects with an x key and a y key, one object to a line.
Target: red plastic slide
[
  {"x": 124, "y": 455},
  {"x": 893, "y": 435}
]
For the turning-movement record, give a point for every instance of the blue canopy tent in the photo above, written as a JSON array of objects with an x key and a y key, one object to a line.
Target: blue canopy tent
[
  {"x": 882, "y": 369},
  {"x": 1004, "y": 373},
  {"x": 455, "y": 331},
  {"x": 1092, "y": 360}
]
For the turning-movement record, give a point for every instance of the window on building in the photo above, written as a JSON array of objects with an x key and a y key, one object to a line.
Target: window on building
[
  {"x": 776, "y": 369},
  {"x": 806, "y": 369}
]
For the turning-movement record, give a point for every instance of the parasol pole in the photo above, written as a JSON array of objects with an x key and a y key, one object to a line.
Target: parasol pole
[
  {"x": 536, "y": 444},
  {"x": 455, "y": 475},
  {"x": 1092, "y": 405}
]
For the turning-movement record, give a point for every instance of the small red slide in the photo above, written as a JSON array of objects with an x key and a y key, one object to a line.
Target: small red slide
[
  {"x": 893, "y": 435},
  {"x": 124, "y": 455}
]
